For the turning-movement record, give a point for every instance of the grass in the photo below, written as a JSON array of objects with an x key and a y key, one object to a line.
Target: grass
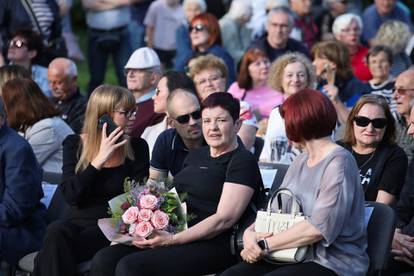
[{"x": 83, "y": 68}]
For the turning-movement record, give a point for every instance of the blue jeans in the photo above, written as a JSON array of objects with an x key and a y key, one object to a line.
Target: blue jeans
[
  {"x": 99, "y": 49},
  {"x": 137, "y": 34}
]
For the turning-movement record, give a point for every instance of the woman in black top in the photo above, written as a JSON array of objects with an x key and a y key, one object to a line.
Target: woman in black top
[
  {"x": 370, "y": 136},
  {"x": 94, "y": 168},
  {"x": 220, "y": 180}
]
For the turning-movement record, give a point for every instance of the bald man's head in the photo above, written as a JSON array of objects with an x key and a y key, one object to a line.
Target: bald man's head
[{"x": 62, "y": 75}]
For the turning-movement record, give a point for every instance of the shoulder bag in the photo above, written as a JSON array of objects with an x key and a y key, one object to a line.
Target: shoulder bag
[{"x": 275, "y": 222}]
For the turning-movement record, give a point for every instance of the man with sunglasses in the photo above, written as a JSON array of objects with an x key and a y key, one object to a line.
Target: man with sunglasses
[
  {"x": 403, "y": 95},
  {"x": 173, "y": 145},
  {"x": 25, "y": 49}
]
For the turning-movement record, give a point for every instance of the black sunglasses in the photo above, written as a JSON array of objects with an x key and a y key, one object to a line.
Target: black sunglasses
[
  {"x": 364, "y": 121},
  {"x": 197, "y": 28},
  {"x": 183, "y": 119}
]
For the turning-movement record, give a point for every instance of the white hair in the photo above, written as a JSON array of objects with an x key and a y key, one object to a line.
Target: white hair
[
  {"x": 344, "y": 20},
  {"x": 72, "y": 69},
  {"x": 240, "y": 9},
  {"x": 201, "y": 3}
]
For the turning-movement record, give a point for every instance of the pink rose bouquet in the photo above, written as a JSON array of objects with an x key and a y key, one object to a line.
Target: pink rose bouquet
[{"x": 142, "y": 210}]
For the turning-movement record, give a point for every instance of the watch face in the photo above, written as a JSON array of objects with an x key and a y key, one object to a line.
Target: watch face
[{"x": 261, "y": 244}]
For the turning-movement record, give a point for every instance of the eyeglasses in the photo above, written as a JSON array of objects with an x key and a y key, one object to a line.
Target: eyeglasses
[
  {"x": 213, "y": 78},
  {"x": 197, "y": 28},
  {"x": 183, "y": 119},
  {"x": 18, "y": 43},
  {"x": 402, "y": 91},
  {"x": 127, "y": 113},
  {"x": 362, "y": 121}
]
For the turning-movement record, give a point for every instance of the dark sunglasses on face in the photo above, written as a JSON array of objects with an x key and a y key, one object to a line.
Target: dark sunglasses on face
[
  {"x": 17, "y": 43},
  {"x": 197, "y": 28},
  {"x": 362, "y": 121},
  {"x": 183, "y": 119}
]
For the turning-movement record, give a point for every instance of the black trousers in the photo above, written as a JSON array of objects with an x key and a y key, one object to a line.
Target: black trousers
[
  {"x": 65, "y": 245},
  {"x": 396, "y": 268},
  {"x": 266, "y": 269},
  {"x": 197, "y": 258}
]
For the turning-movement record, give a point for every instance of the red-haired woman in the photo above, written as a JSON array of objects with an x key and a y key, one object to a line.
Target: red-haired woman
[
  {"x": 251, "y": 85},
  {"x": 206, "y": 39},
  {"x": 325, "y": 180}
]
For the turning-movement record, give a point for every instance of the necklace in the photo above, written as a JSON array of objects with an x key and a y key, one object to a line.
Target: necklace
[{"x": 366, "y": 162}]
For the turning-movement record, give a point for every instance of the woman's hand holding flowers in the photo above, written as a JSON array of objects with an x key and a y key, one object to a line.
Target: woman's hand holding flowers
[{"x": 158, "y": 238}]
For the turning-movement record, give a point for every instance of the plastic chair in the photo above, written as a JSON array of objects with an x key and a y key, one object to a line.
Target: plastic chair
[{"x": 381, "y": 227}]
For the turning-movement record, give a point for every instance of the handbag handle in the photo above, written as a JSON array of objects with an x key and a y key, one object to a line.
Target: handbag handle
[{"x": 296, "y": 206}]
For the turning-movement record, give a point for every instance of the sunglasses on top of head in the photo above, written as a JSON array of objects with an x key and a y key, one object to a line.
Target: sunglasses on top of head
[
  {"x": 183, "y": 119},
  {"x": 362, "y": 121},
  {"x": 197, "y": 28}
]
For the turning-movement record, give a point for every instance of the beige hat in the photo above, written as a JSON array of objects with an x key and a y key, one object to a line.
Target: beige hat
[{"x": 143, "y": 58}]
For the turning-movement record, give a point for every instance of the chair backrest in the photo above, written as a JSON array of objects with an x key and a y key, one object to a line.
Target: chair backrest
[
  {"x": 380, "y": 231},
  {"x": 258, "y": 147},
  {"x": 58, "y": 205},
  {"x": 280, "y": 175}
]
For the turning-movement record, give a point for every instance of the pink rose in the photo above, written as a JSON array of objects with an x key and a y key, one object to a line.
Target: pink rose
[
  {"x": 148, "y": 202},
  {"x": 130, "y": 215},
  {"x": 144, "y": 229},
  {"x": 160, "y": 220},
  {"x": 145, "y": 215}
]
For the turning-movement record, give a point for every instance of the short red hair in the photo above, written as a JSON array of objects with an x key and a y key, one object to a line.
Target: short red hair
[
  {"x": 244, "y": 79},
  {"x": 213, "y": 28},
  {"x": 308, "y": 114}
]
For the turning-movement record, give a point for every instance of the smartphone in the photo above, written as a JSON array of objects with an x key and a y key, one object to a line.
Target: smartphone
[{"x": 110, "y": 125}]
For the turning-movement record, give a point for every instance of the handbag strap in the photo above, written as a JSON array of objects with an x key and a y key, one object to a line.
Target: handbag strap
[
  {"x": 296, "y": 206},
  {"x": 33, "y": 18}
]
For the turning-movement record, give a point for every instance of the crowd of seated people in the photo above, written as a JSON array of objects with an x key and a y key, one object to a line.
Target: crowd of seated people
[{"x": 203, "y": 102}]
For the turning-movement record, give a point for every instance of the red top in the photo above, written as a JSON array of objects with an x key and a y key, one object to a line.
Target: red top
[{"x": 359, "y": 64}]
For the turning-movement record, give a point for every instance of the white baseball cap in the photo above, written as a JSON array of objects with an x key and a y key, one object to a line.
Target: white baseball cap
[{"x": 143, "y": 58}]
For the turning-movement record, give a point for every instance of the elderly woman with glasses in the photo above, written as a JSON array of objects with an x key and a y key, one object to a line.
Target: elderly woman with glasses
[
  {"x": 212, "y": 176},
  {"x": 370, "y": 137},
  {"x": 95, "y": 165},
  {"x": 347, "y": 28},
  {"x": 210, "y": 75}
]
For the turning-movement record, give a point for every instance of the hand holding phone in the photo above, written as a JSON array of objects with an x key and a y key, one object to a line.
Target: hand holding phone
[{"x": 110, "y": 125}]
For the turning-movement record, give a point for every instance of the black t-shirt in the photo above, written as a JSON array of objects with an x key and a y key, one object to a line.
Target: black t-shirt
[
  {"x": 203, "y": 177},
  {"x": 89, "y": 191},
  {"x": 389, "y": 177}
]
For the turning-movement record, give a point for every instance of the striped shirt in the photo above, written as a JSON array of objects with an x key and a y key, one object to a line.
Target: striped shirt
[{"x": 44, "y": 16}]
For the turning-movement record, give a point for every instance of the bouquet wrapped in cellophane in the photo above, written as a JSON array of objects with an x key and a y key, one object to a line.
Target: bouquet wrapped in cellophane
[{"x": 141, "y": 210}]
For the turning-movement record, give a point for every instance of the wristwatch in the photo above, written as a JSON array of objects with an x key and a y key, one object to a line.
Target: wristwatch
[{"x": 263, "y": 245}]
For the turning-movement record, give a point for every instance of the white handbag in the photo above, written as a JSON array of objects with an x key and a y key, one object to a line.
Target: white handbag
[{"x": 275, "y": 222}]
